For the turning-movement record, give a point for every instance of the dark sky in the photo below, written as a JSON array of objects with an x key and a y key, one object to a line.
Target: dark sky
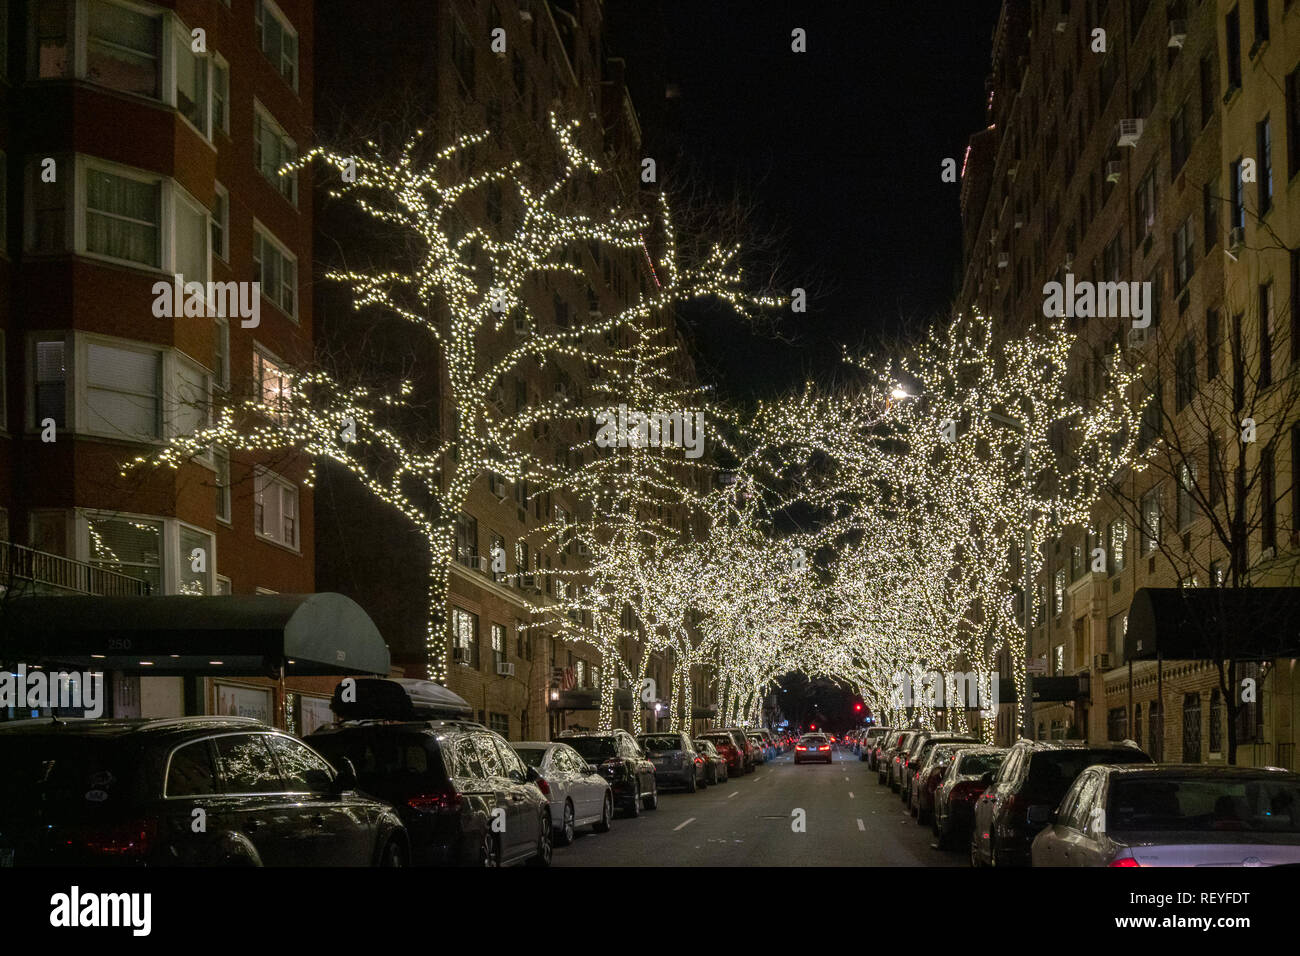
[{"x": 839, "y": 147}]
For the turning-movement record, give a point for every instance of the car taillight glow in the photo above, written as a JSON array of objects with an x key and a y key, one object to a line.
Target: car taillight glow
[
  {"x": 824, "y": 747},
  {"x": 439, "y": 801},
  {"x": 131, "y": 839},
  {"x": 543, "y": 786},
  {"x": 1125, "y": 861},
  {"x": 800, "y": 747}
]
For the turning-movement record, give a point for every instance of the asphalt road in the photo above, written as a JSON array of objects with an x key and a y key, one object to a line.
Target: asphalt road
[{"x": 849, "y": 820}]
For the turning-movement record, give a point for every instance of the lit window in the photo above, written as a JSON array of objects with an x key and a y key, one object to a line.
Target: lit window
[
  {"x": 274, "y": 382},
  {"x": 275, "y": 508},
  {"x": 131, "y": 546},
  {"x": 195, "y": 568}
]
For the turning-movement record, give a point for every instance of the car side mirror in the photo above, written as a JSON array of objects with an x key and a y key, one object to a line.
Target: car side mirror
[{"x": 346, "y": 778}]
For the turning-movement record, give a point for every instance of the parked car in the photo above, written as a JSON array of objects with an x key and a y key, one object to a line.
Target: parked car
[
  {"x": 870, "y": 744},
  {"x": 813, "y": 747},
  {"x": 918, "y": 758},
  {"x": 740, "y": 736},
  {"x": 1031, "y": 781},
  {"x": 887, "y": 766},
  {"x": 1174, "y": 815},
  {"x": 124, "y": 792},
  {"x": 449, "y": 781},
  {"x": 712, "y": 764},
  {"x": 673, "y": 756},
  {"x": 917, "y": 749},
  {"x": 730, "y": 751},
  {"x": 967, "y": 777},
  {"x": 578, "y": 795},
  {"x": 760, "y": 747},
  {"x": 934, "y": 765},
  {"x": 620, "y": 761}
]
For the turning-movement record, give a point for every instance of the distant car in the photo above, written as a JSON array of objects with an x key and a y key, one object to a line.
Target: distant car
[
  {"x": 740, "y": 735},
  {"x": 1174, "y": 815},
  {"x": 578, "y": 795},
  {"x": 728, "y": 749},
  {"x": 870, "y": 741},
  {"x": 917, "y": 761},
  {"x": 619, "y": 759},
  {"x": 926, "y": 783},
  {"x": 123, "y": 792},
  {"x": 712, "y": 763},
  {"x": 673, "y": 756},
  {"x": 967, "y": 777},
  {"x": 813, "y": 747},
  {"x": 449, "y": 781},
  {"x": 898, "y": 759},
  {"x": 1031, "y": 781},
  {"x": 760, "y": 747}
]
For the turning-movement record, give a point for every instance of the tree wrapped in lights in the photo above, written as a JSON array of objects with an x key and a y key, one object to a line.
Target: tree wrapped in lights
[{"x": 467, "y": 286}]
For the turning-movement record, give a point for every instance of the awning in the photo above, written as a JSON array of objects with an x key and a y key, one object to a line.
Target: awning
[
  {"x": 1059, "y": 689},
  {"x": 253, "y": 634},
  {"x": 1203, "y": 624}
]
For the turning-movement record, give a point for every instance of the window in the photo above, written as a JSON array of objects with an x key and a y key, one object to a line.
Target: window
[
  {"x": 191, "y": 81},
  {"x": 464, "y": 630},
  {"x": 123, "y": 392},
  {"x": 131, "y": 546},
  {"x": 272, "y": 149},
  {"x": 276, "y": 270},
  {"x": 1144, "y": 93},
  {"x": 189, "y": 771},
  {"x": 1267, "y": 500},
  {"x": 51, "y": 27},
  {"x": 221, "y": 223},
  {"x": 1237, "y": 199},
  {"x": 190, "y": 257},
  {"x": 1186, "y": 495},
  {"x": 221, "y": 353},
  {"x": 123, "y": 217},
  {"x": 123, "y": 48},
  {"x": 1261, "y": 25},
  {"x": 1156, "y": 730},
  {"x": 1266, "y": 334},
  {"x": 1117, "y": 724},
  {"x": 1179, "y": 141},
  {"x": 1264, "y": 174},
  {"x": 1213, "y": 344},
  {"x": 1116, "y": 628},
  {"x": 188, "y": 396},
  {"x": 1210, "y": 208},
  {"x": 278, "y": 40},
  {"x": 467, "y": 540},
  {"x": 196, "y": 551},
  {"x": 499, "y": 723},
  {"x": 221, "y": 458},
  {"x": 1184, "y": 254},
  {"x": 1076, "y": 562},
  {"x": 1232, "y": 38},
  {"x": 275, "y": 384},
  {"x": 50, "y": 376},
  {"x": 1216, "y": 470},
  {"x": 246, "y": 766},
  {"x": 1151, "y": 521},
  {"x": 1209, "y": 88},
  {"x": 1292, "y": 123},
  {"x": 1145, "y": 200},
  {"x": 303, "y": 771},
  {"x": 497, "y": 546},
  {"x": 1058, "y": 661},
  {"x": 498, "y": 645},
  {"x": 1216, "y": 722},
  {"x": 1185, "y": 379},
  {"x": 220, "y": 95},
  {"x": 1058, "y": 592},
  {"x": 275, "y": 508},
  {"x": 1117, "y": 538},
  {"x": 462, "y": 57}
]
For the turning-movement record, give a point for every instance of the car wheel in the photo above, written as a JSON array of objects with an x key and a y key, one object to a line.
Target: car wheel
[
  {"x": 606, "y": 815},
  {"x": 564, "y": 835},
  {"x": 634, "y": 808},
  {"x": 394, "y": 854},
  {"x": 693, "y": 785},
  {"x": 487, "y": 850},
  {"x": 545, "y": 843},
  {"x": 652, "y": 802},
  {"x": 975, "y": 860}
]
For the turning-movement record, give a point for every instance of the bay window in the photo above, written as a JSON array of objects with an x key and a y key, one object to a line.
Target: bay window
[
  {"x": 131, "y": 546},
  {"x": 123, "y": 217},
  {"x": 123, "y": 49},
  {"x": 123, "y": 392}
]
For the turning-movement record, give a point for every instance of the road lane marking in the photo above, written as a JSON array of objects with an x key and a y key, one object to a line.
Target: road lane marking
[
  {"x": 862, "y": 826},
  {"x": 684, "y": 823},
  {"x": 732, "y": 794}
]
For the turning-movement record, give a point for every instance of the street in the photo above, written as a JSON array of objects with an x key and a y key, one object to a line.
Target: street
[{"x": 747, "y": 821}]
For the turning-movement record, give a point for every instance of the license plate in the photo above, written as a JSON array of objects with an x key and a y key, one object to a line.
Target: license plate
[{"x": 6, "y": 856}]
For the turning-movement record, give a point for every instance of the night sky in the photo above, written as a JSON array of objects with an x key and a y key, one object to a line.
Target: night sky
[{"x": 839, "y": 148}]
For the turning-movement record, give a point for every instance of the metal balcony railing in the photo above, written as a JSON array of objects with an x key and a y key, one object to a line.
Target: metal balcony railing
[{"x": 27, "y": 565}]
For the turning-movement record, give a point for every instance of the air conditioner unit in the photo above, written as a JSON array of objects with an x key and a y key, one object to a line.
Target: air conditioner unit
[
  {"x": 1236, "y": 238},
  {"x": 1137, "y": 337},
  {"x": 1114, "y": 170},
  {"x": 1020, "y": 219},
  {"x": 1004, "y": 260},
  {"x": 505, "y": 670},
  {"x": 1177, "y": 33},
  {"x": 1101, "y": 662},
  {"x": 1130, "y": 131},
  {"x": 1012, "y": 170},
  {"x": 1062, "y": 23},
  {"x": 583, "y": 550},
  {"x": 483, "y": 564}
]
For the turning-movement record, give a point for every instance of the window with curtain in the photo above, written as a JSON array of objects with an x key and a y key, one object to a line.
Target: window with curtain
[
  {"x": 191, "y": 81},
  {"x": 274, "y": 384},
  {"x": 189, "y": 400},
  {"x": 123, "y": 48},
  {"x": 123, "y": 392},
  {"x": 123, "y": 217}
]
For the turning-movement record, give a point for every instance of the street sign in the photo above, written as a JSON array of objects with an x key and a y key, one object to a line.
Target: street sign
[{"x": 1036, "y": 666}]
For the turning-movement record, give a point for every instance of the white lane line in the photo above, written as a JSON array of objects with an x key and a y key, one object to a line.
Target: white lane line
[
  {"x": 684, "y": 823},
  {"x": 733, "y": 794},
  {"x": 850, "y": 794},
  {"x": 862, "y": 826}
]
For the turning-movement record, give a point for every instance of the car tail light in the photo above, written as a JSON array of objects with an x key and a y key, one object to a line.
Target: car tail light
[
  {"x": 438, "y": 801},
  {"x": 824, "y": 747},
  {"x": 132, "y": 839},
  {"x": 800, "y": 747},
  {"x": 543, "y": 786},
  {"x": 1125, "y": 861}
]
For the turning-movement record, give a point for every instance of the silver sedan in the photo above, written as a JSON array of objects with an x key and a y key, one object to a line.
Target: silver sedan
[{"x": 578, "y": 794}]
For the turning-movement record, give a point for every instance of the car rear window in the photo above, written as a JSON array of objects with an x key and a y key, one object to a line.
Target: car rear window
[
  {"x": 1052, "y": 771},
  {"x": 69, "y": 774},
  {"x": 1204, "y": 805},
  {"x": 977, "y": 765},
  {"x": 593, "y": 749},
  {"x": 387, "y": 764},
  {"x": 533, "y": 756},
  {"x": 661, "y": 743}
]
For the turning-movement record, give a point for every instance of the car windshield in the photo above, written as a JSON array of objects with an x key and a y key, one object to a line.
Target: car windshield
[
  {"x": 1201, "y": 804},
  {"x": 661, "y": 744},
  {"x": 533, "y": 756},
  {"x": 593, "y": 749},
  {"x": 813, "y": 740},
  {"x": 1052, "y": 771},
  {"x": 74, "y": 775},
  {"x": 976, "y": 765}
]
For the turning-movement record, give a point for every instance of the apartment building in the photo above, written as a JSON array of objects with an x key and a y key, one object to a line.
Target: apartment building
[
  {"x": 141, "y": 141},
  {"x": 521, "y": 679},
  {"x": 1169, "y": 158}
]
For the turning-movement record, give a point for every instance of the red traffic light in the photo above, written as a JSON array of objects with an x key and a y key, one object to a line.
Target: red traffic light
[{"x": 857, "y": 708}]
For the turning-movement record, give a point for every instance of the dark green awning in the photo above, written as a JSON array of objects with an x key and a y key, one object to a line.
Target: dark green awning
[
  {"x": 307, "y": 634},
  {"x": 1203, "y": 624}
]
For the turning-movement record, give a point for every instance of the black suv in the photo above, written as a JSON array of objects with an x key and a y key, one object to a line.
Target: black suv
[
  {"x": 619, "y": 760},
  {"x": 198, "y": 791},
  {"x": 465, "y": 796},
  {"x": 1029, "y": 784}
]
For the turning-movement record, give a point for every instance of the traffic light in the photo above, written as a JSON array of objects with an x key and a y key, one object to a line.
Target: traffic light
[{"x": 857, "y": 707}]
